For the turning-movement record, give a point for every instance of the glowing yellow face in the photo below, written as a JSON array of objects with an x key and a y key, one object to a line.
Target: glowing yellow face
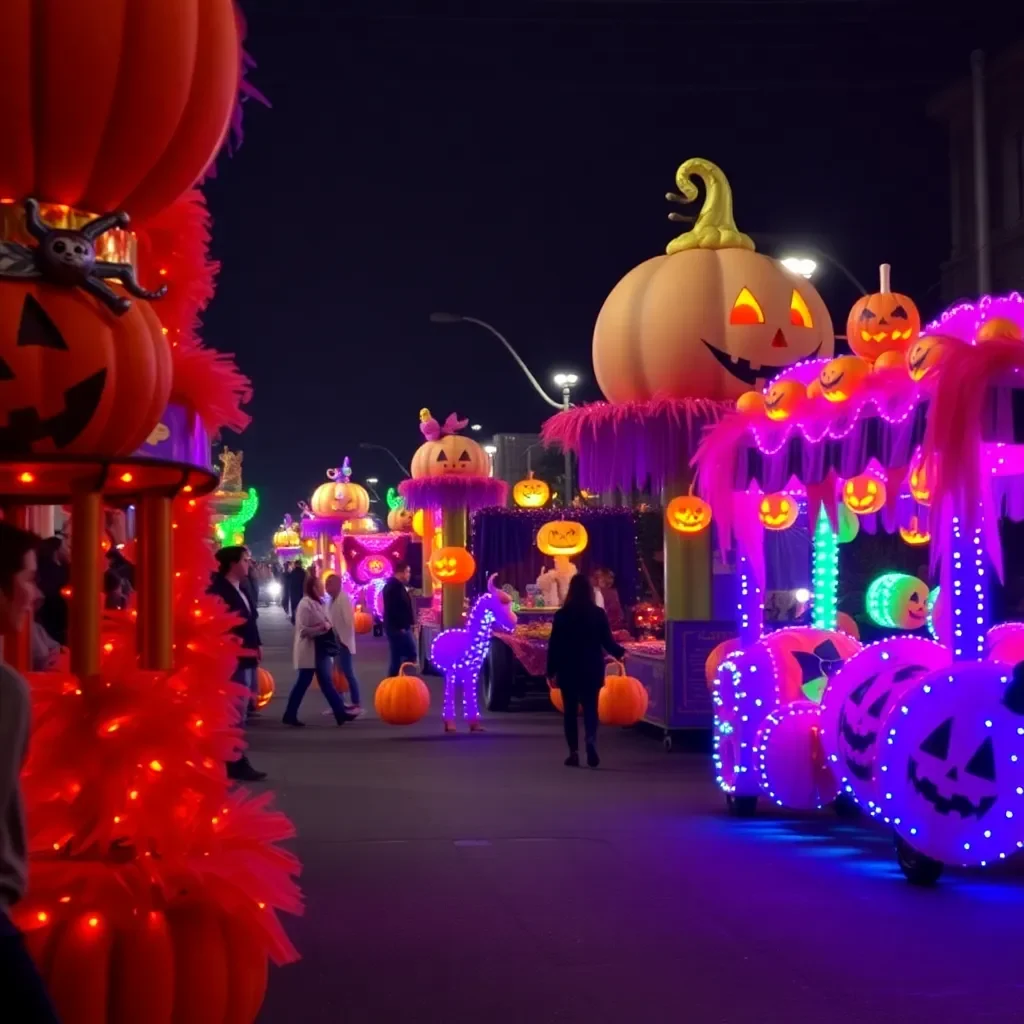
[
  {"x": 688, "y": 514},
  {"x": 841, "y": 377},
  {"x": 864, "y": 494},
  {"x": 778, "y": 511},
  {"x": 924, "y": 355},
  {"x": 562, "y": 537},
  {"x": 783, "y": 398}
]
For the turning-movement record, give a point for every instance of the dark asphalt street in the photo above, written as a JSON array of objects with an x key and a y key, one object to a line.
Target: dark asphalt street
[{"x": 475, "y": 880}]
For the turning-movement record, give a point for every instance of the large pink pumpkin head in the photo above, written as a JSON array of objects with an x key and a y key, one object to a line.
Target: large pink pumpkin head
[{"x": 712, "y": 318}]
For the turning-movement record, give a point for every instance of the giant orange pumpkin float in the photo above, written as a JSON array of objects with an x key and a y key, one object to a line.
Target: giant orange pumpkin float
[
  {"x": 712, "y": 318},
  {"x": 112, "y": 105},
  {"x": 884, "y": 322}
]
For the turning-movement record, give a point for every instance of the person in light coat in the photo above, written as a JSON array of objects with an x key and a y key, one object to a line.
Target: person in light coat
[
  {"x": 313, "y": 651},
  {"x": 344, "y": 620}
]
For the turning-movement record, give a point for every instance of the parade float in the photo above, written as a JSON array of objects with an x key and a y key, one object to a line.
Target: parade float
[
  {"x": 677, "y": 341},
  {"x": 920, "y": 435},
  {"x": 287, "y": 541},
  {"x": 233, "y": 506},
  {"x": 333, "y": 504},
  {"x": 153, "y": 888}
]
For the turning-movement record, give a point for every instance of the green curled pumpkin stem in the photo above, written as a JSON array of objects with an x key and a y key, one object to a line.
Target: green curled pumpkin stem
[{"x": 716, "y": 226}]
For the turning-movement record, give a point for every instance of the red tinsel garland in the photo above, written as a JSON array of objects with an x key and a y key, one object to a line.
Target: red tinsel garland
[{"x": 127, "y": 794}]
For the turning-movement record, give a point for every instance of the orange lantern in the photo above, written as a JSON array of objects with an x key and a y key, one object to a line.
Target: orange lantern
[
  {"x": 452, "y": 565},
  {"x": 623, "y": 699},
  {"x": 778, "y": 511},
  {"x": 264, "y": 687},
  {"x": 531, "y": 493},
  {"x": 882, "y": 322},
  {"x": 563, "y": 537},
  {"x": 921, "y": 478},
  {"x": 864, "y": 494},
  {"x": 688, "y": 514},
  {"x": 913, "y": 534}
]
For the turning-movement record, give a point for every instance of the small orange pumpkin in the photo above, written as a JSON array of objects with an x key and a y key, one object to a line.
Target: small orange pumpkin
[
  {"x": 841, "y": 378},
  {"x": 452, "y": 565},
  {"x": 778, "y": 511},
  {"x": 531, "y": 493},
  {"x": 400, "y": 520},
  {"x": 913, "y": 534},
  {"x": 339, "y": 498},
  {"x": 925, "y": 355},
  {"x": 264, "y": 687},
  {"x": 562, "y": 537},
  {"x": 402, "y": 699},
  {"x": 750, "y": 403},
  {"x": 864, "y": 494},
  {"x": 784, "y": 397},
  {"x": 688, "y": 514},
  {"x": 362, "y": 620},
  {"x": 921, "y": 478},
  {"x": 999, "y": 328},
  {"x": 623, "y": 699},
  {"x": 555, "y": 696},
  {"x": 883, "y": 321}
]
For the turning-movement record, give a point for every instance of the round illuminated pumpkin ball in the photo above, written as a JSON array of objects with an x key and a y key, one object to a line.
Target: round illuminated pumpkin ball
[
  {"x": 688, "y": 514},
  {"x": 790, "y": 761},
  {"x": 814, "y": 389},
  {"x": 778, "y": 511},
  {"x": 783, "y": 398},
  {"x": 999, "y": 328},
  {"x": 925, "y": 354},
  {"x": 892, "y": 360},
  {"x": 897, "y": 600},
  {"x": 750, "y": 403},
  {"x": 864, "y": 494},
  {"x": 264, "y": 687},
  {"x": 841, "y": 378}
]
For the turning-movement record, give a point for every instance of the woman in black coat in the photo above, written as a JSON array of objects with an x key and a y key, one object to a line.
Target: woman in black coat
[{"x": 580, "y": 637}]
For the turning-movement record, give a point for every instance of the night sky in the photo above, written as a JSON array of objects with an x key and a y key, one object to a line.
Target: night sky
[{"x": 513, "y": 166}]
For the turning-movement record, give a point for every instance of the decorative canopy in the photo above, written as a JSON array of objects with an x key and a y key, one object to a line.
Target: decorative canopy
[{"x": 450, "y": 493}]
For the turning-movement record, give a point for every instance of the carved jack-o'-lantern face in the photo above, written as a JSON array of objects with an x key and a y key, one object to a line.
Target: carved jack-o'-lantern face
[
  {"x": 711, "y": 319},
  {"x": 400, "y": 520},
  {"x": 451, "y": 455},
  {"x": 783, "y": 399},
  {"x": 913, "y": 534},
  {"x": 778, "y": 511},
  {"x": 864, "y": 494},
  {"x": 452, "y": 565},
  {"x": 925, "y": 355},
  {"x": 74, "y": 379},
  {"x": 340, "y": 501},
  {"x": 562, "y": 537},
  {"x": 531, "y": 493},
  {"x": 882, "y": 322},
  {"x": 688, "y": 514},
  {"x": 840, "y": 379},
  {"x": 897, "y": 600},
  {"x": 921, "y": 478}
]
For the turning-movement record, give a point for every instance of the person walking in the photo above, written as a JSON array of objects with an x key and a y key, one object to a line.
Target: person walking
[
  {"x": 580, "y": 636},
  {"x": 53, "y": 577},
  {"x": 399, "y": 618},
  {"x": 313, "y": 652},
  {"x": 229, "y": 584},
  {"x": 21, "y": 987},
  {"x": 344, "y": 621},
  {"x": 295, "y": 584}
]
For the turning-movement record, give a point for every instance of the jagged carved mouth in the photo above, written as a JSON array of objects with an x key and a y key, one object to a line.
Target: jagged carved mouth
[
  {"x": 742, "y": 370},
  {"x": 959, "y": 803},
  {"x": 25, "y": 428}
]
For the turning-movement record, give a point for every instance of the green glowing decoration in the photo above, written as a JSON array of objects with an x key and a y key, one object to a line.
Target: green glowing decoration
[
  {"x": 231, "y": 529},
  {"x": 395, "y": 500},
  {"x": 897, "y": 600},
  {"x": 825, "y": 573},
  {"x": 933, "y": 597}
]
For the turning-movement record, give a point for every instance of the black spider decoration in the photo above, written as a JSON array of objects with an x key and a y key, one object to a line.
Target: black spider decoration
[{"x": 68, "y": 258}]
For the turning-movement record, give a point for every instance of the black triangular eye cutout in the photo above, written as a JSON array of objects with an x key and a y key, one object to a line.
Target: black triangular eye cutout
[
  {"x": 866, "y": 314},
  {"x": 875, "y": 711},
  {"x": 899, "y": 313},
  {"x": 36, "y": 328},
  {"x": 915, "y": 597},
  {"x": 901, "y": 675},
  {"x": 937, "y": 742},
  {"x": 442, "y": 456},
  {"x": 6, "y": 373},
  {"x": 464, "y": 457},
  {"x": 983, "y": 764},
  {"x": 861, "y": 692}
]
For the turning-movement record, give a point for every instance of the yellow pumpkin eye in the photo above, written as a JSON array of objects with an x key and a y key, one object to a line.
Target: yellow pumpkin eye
[
  {"x": 765, "y": 507},
  {"x": 784, "y": 507},
  {"x": 799, "y": 313},
  {"x": 746, "y": 309},
  {"x": 872, "y": 487}
]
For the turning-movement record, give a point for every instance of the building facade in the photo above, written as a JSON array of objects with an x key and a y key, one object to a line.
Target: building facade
[{"x": 1004, "y": 118}]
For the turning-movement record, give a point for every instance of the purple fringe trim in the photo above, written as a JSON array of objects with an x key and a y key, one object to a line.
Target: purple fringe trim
[{"x": 453, "y": 492}]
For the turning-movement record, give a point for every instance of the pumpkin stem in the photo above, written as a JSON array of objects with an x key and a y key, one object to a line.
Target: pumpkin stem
[
  {"x": 716, "y": 226},
  {"x": 404, "y": 666},
  {"x": 884, "y": 278}
]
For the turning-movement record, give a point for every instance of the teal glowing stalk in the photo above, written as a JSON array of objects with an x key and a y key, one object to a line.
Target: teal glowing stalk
[
  {"x": 825, "y": 573},
  {"x": 231, "y": 527}
]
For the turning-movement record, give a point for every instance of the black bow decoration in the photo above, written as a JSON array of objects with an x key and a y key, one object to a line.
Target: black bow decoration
[{"x": 816, "y": 667}]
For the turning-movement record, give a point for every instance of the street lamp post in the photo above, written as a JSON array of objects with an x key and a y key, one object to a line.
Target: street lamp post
[
  {"x": 388, "y": 451},
  {"x": 567, "y": 381}
]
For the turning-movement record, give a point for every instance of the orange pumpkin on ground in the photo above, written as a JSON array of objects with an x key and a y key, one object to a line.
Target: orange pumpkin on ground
[
  {"x": 363, "y": 621},
  {"x": 452, "y": 565},
  {"x": 142, "y": 126},
  {"x": 190, "y": 962},
  {"x": 623, "y": 699},
  {"x": 74, "y": 378},
  {"x": 402, "y": 699},
  {"x": 711, "y": 318},
  {"x": 882, "y": 322},
  {"x": 264, "y": 687}
]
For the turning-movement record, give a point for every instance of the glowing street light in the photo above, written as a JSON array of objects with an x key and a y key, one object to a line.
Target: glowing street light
[
  {"x": 802, "y": 265},
  {"x": 491, "y": 449},
  {"x": 476, "y": 427},
  {"x": 372, "y": 480}
]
